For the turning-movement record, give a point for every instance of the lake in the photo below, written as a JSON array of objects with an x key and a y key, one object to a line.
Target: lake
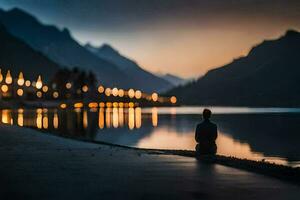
[{"x": 272, "y": 134}]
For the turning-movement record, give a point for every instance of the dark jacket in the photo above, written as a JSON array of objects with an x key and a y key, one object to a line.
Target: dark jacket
[{"x": 206, "y": 132}]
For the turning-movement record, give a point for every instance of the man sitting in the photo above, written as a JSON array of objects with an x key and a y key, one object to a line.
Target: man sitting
[{"x": 206, "y": 135}]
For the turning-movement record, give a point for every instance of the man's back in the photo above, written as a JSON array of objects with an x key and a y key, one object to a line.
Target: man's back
[{"x": 206, "y": 132}]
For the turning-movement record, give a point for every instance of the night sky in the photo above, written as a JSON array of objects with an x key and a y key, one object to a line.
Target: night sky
[{"x": 183, "y": 37}]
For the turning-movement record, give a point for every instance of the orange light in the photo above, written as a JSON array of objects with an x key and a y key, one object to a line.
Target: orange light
[
  {"x": 115, "y": 104},
  {"x": 4, "y": 88},
  {"x": 45, "y": 88},
  {"x": 68, "y": 85},
  {"x": 39, "y": 110},
  {"x": 27, "y": 83},
  {"x": 101, "y": 104},
  {"x": 121, "y": 104},
  {"x": 115, "y": 92},
  {"x": 121, "y": 92},
  {"x": 154, "y": 96},
  {"x": 85, "y": 88},
  {"x": 108, "y": 104},
  {"x": 93, "y": 105},
  {"x": 138, "y": 94},
  {"x": 173, "y": 99},
  {"x": 131, "y": 93},
  {"x": 39, "y": 83},
  {"x": 108, "y": 92},
  {"x": 63, "y": 106},
  {"x": 39, "y": 94},
  {"x": 131, "y": 105},
  {"x": 8, "y": 78},
  {"x": 78, "y": 105},
  {"x": 1, "y": 76},
  {"x": 100, "y": 89},
  {"x": 20, "y": 92},
  {"x": 21, "y": 79},
  {"x": 55, "y": 95}
]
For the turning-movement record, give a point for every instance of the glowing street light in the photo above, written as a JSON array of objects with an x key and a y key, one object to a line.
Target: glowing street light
[
  {"x": 1, "y": 76},
  {"x": 154, "y": 97},
  {"x": 85, "y": 88},
  {"x": 115, "y": 92},
  {"x": 45, "y": 88},
  {"x": 121, "y": 92},
  {"x": 108, "y": 92},
  {"x": 138, "y": 94},
  {"x": 173, "y": 99},
  {"x": 100, "y": 89},
  {"x": 68, "y": 85},
  {"x": 27, "y": 83},
  {"x": 131, "y": 93},
  {"x": 39, "y": 94},
  {"x": 55, "y": 95},
  {"x": 4, "y": 88},
  {"x": 21, "y": 80},
  {"x": 39, "y": 83},
  {"x": 8, "y": 78},
  {"x": 20, "y": 92}
]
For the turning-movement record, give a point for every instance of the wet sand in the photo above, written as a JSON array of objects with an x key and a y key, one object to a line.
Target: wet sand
[{"x": 36, "y": 165}]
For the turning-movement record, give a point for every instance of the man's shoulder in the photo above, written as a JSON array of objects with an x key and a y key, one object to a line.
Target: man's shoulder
[{"x": 206, "y": 123}]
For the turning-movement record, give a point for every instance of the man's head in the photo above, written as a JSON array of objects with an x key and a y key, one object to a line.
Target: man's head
[{"x": 206, "y": 114}]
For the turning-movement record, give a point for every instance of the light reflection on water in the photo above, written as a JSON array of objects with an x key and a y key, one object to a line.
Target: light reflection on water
[{"x": 247, "y": 133}]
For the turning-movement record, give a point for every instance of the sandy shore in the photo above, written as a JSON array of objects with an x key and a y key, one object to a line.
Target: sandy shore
[{"x": 35, "y": 165}]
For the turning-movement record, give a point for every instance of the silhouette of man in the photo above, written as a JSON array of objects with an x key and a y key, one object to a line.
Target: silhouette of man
[{"x": 206, "y": 135}]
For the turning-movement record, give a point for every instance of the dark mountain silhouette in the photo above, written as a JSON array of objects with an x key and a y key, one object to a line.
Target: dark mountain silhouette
[
  {"x": 59, "y": 46},
  {"x": 17, "y": 56},
  {"x": 268, "y": 76},
  {"x": 146, "y": 80},
  {"x": 175, "y": 80}
]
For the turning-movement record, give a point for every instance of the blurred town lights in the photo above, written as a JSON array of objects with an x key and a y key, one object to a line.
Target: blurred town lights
[
  {"x": 93, "y": 105},
  {"x": 20, "y": 92},
  {"x": 131, "y": 93},
  {"x": 108, "y": 92},
  {"x": 121, "y": 92},
  {"x": 39, "y": 94},
  {"x": 68, "y": 85},
  {"x": 154, "y": 97},
  {"x": 85, "y": 88},
  {"x": 55, "y": 95},
  {"x": 45, "y": 88},
  {"x": 39, "y": 83},
  {"x": 27, "y": 83},
  {"x": 8, "y": 78},
  {"x": 1, "y": 76},
  {"x": 21, "y": 80},
  {"x": 101, "y": 104},
  {"x": 63, "y": 106},
  {"x": 4, "y": 88},
  {"x": 100, "y": 89},
  {"x": 138, "y": 94},
  {"x": 173, "y": 99},
  {"x": 115, "y": 92},
  {"x": 78, "y": 105}
]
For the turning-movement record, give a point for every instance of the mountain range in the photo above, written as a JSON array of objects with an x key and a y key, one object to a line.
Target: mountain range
[
  {"x": 130, "y": 68},
  {"x": 17, "y": 56},
  {"x": 175, "y": 80},
  {"x": 59, "y": 46},
  {"x": 268, "y": 76}
]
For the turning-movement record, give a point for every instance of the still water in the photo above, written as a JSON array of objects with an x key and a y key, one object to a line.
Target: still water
[{"x": 272, "y": 134}]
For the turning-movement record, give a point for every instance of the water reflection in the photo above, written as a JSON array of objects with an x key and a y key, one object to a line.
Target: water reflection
[{"x": 272, "y": 136}]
